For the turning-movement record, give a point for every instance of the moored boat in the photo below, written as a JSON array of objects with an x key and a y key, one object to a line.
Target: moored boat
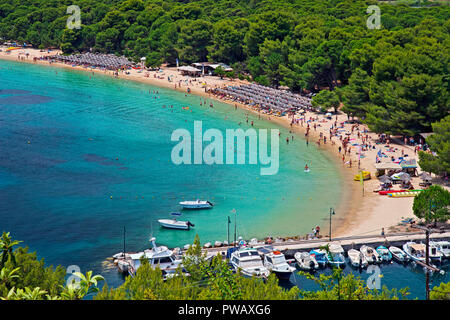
[
  {"x": 249, "y": 262},
  {"x": 398, "y": 254},
  {"x": 306, "y": 261},
  {"x": 384, "y": 253},
  {"x": 336, "y": 256},
  {"x": 276, "y": 262},
  {"x": 320, "y": 256},
  {"x": 370, "y": 254},
  {"x": 443, "y": 247},
  {"x": 357, "y": 259}
]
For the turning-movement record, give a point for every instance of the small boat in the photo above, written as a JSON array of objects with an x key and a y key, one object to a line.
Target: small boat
[
  {"x": 306, "y": 261},
  {"x": 218, "y": 244},
  {"x": 197, "y": 204},
  {"x": 175, "y": 224},
  {"x": 320, "y": 256},
  {"x": 276, "y": 262},
  {"x": 207, "y": 245},
  {"x": 336, "y": 256},
  {"x": 398, "y": 254},
  {"x": 357, "y": 259},
  {"x": 385, "y": 254},
  {"x": 416, "y": 251},
  {"x": 225, "y": 243},
  {"x": 385, "y": 192},
  {"x": 370, "y": 254},
  {"x": 411, "y": 193}
]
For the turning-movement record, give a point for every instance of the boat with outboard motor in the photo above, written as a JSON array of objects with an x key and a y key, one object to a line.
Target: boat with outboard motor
[
  {"x": 175, "y": 224},
  {"x": 197, "y": 204},
  {"x": 398, "y": 254},
  {"x": 370, "y": 254},
  {"x": 306, "y": 261},
  {"x": 357, "y": 259}
]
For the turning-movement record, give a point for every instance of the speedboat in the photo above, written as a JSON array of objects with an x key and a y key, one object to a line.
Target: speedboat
[
  {"x": 398, "y": 254},
  {"x": 276, "y": 262},
  {"x": 370, "y": 254},
  {"x": 384, "y": 253},
  {"x": 197, "y": 204},
  {"x": 160, "y": 257},
  {"x": 306, "y": 261},
  {"x": 320, "y": 256},
  {"x": 434, "y": 252},
  {"x": 336, "y": 256},
  {"x": 357, "y": 259},
  {"x": 444, "y": 247},
  {"x": 249, "y": 263},
  {"x": 175, "y": 224}
]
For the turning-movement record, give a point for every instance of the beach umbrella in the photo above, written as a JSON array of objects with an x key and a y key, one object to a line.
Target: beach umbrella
[
  {"x": 425, "y": 176},
  {"x": 385, "y": 179}
]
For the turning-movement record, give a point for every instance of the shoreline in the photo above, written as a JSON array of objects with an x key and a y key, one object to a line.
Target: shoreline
[{"x": 356, "y": 214}]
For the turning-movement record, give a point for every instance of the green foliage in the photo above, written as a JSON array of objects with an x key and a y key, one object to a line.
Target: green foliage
[
  {"x": 439, "y": 143},
  {"x": 325, "y": 100},
  {"x": 441, "y": 292},
  {"x": 395, "y": 79},
  {"x": 432, "y": 204}
]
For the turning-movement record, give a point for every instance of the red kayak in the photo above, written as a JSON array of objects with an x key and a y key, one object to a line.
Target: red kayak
[{"x": 385, "y": 192}]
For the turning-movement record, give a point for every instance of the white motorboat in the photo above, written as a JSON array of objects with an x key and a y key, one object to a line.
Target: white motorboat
[
  {"x": 218, "y": 244},
  {"x": 336, "y": 256},
  {"x": 416, "y": 251},
  {"x": 249, "y": 263},
  {"x": 276, "y": 262},
  {"x": 160, "y": 257},
  {"x": 197, "y": 204},
  {"x": 357, "y": 259},
  {"x": 444, "y": 247},
  {"x": 384, "y": 253},
  {"x": 370, "y": 254},
  {"x": 398, "y": 254},
  {"x": 175, "y": 224},
  {"x": 306, "y": 261}
]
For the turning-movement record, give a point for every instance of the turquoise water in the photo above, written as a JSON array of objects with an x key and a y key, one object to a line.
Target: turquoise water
[{"x": 70, "y": 141}]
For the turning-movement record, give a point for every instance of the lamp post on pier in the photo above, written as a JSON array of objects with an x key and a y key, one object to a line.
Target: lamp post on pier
[{"x": 331, "y": 213}]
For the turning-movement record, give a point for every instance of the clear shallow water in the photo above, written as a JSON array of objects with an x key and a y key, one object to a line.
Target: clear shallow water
[{"x": 69, "y": 141}]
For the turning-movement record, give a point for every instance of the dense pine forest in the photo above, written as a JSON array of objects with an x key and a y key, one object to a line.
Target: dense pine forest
[{"x": 395, "y": 78}]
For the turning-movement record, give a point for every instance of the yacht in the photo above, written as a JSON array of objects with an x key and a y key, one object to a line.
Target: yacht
[
  {"x": 276, "y": 262},
  {"x": 249, "y": 262},
  {"x": 336, "y": 256},
  {"x": 175, "y": 224},
  {"x": 398, "y": 254},
  {"x": 370, "y": 254},
  {"x": 197, "y": 204},
  {"x": 357, "y": 259},
  {"x": 160, "y": 257},
  {"x": 384, "y": 253},
  {"x": 306, "y": 261}
]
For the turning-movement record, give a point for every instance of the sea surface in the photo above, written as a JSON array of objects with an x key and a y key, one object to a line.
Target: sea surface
[{"x": 83, "y": 156}]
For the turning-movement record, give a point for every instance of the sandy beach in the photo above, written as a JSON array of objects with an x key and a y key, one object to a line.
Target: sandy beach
[{"x": 358, "y": 214}]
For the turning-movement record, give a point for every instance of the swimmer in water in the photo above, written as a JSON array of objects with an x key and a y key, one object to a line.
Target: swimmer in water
[{"x": 306, "y": 167}]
